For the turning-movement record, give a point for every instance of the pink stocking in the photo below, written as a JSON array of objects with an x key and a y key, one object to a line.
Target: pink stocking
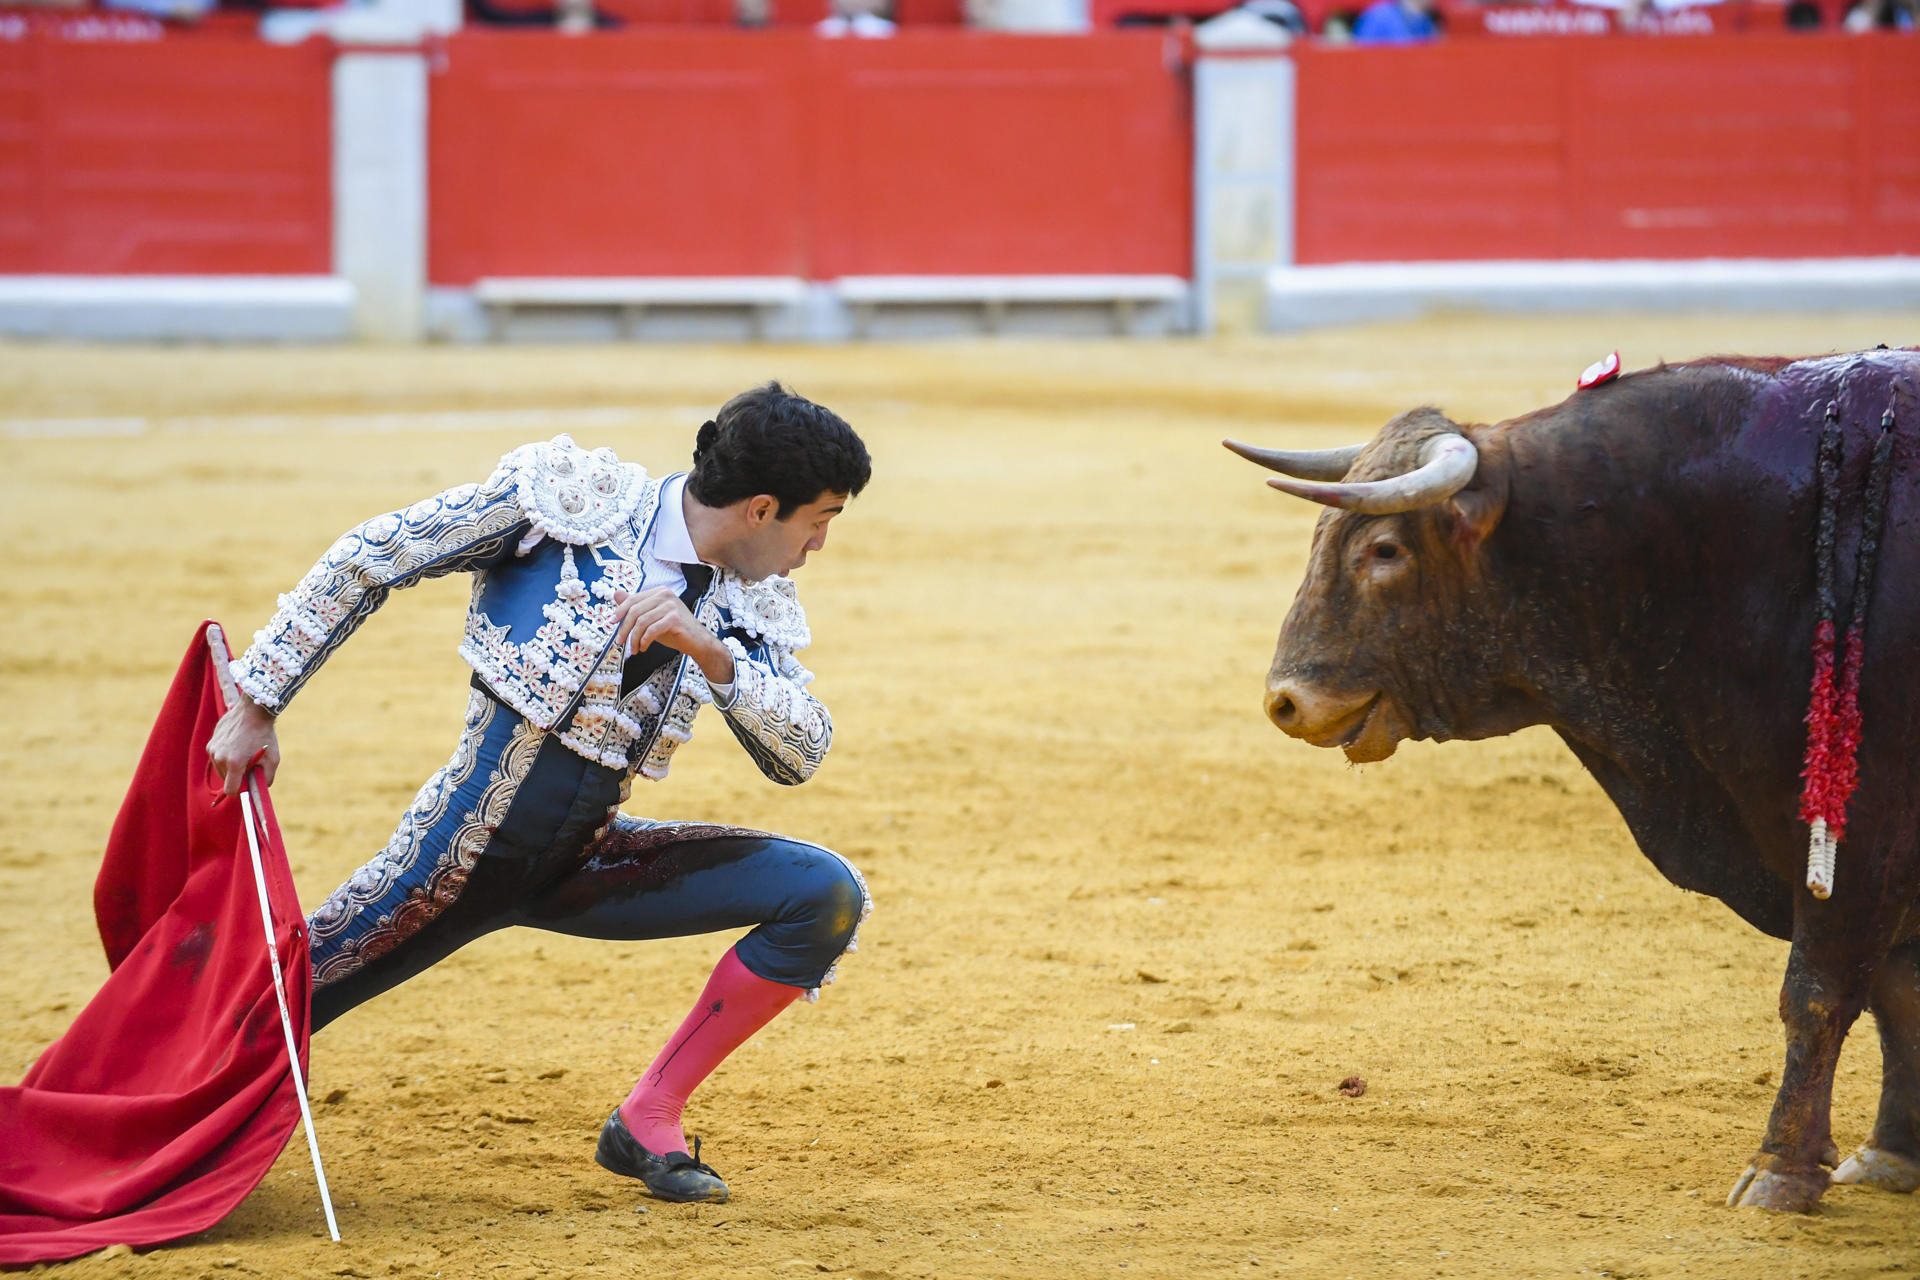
[{"x": 735, "y": 1004}]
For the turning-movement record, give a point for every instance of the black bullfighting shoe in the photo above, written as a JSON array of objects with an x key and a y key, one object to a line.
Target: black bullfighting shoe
[{"x": 675, "y": 1176}]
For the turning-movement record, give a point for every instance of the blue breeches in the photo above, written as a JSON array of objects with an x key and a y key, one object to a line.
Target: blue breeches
[{"x": 515, "y": 830}]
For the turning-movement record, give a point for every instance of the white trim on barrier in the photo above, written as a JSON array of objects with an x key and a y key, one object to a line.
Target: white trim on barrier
[
  {"x": 226, "y": 308},
  {"x": 863, "y": 295},
  {"x": 823, "y": 310},
  {"x": 162, "y": 290},
  {"x": 1356, "y": 293},
  {"x": 631, "y": 296}
]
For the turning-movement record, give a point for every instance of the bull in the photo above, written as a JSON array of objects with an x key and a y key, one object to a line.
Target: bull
[{"x": 1634, "y": 567}]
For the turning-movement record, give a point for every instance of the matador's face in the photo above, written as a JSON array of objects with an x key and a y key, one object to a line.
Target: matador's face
[{"x": 773, "y": 545}]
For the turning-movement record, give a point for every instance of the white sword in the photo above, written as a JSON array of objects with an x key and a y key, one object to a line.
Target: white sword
[{"x": 249, "y": 811}]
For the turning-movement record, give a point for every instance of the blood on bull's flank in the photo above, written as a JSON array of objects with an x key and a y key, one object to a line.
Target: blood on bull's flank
[{"x": 1635, "y": 568}]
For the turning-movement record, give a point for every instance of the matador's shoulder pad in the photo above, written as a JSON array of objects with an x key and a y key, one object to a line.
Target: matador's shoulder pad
[
  {"x": 769, "y": 609},
  {"x": 574, "y": 495}
]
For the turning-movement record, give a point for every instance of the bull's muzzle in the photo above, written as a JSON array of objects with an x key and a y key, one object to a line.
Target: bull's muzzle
[
  {"x": 1282, "y": 708},
  {"x": 1305, "y": 712},
  {"x": 1361, "y": 724}
]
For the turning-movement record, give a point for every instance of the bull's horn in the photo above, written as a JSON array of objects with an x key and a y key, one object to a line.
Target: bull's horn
[
  {"x": 1308, "y": 464},
  {"x": 1447, "y": 463}
]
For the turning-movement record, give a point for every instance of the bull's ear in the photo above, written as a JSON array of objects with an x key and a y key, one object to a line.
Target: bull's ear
[{"x": 1475, "y": 511}]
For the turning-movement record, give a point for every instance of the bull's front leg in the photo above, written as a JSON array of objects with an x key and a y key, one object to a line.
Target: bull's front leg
[{"x": 1825, "y": 990}]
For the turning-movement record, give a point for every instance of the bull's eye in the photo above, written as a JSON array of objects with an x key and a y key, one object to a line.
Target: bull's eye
[{"x": 1385, "y": 550}]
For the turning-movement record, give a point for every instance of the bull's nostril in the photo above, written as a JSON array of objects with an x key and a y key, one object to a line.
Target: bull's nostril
[{"x": 1280, "y": 708}]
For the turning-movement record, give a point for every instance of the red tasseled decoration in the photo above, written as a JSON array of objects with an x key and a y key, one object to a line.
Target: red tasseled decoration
[
  {"x": 1844, "y": 751},
  {"x": 1823, "y": 718},
  {"x": 1833, "y": 731},
  {"x": 1833, "y": 715}
]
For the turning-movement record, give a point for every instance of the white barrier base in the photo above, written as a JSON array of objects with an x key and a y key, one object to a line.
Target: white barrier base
[
  {"x": 913, "y": 305},
  {"x": 1355, "y": 293},
  {"x": 788, "y": 309},
  {"x": 177, "y": 308},
  {"x": 762, "y": 306},
  {"x": 320, "y": 308}
]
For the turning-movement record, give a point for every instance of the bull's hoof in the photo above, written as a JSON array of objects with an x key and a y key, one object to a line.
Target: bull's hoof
[
  {"x": 1781, "y": 1191},
  {"x": 1871, "y": 1167}
]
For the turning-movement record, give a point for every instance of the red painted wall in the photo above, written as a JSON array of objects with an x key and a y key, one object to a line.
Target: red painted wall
[
  {"x": 178, "y": 156},
  {"x": 699, "y": 152},
  {"x": 782, "y": 153},
  {"x": 661, "y": 153},
  {"x": 1785, "y": 145}
]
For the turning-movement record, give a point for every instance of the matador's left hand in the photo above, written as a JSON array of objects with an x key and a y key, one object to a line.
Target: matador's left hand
[
  {"x": 244, "y": 738},
  {"x": 660, "y": 615}
]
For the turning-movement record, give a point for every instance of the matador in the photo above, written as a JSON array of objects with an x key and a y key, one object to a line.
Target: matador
[{"x": 609, "y": 607}]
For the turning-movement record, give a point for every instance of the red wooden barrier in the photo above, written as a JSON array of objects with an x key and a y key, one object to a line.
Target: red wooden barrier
[
  {"x": 1788, "y": 145},
  {"x": 663, "y": 153},
  {"x": 929, "y": 13},
  {"x": 682, "y": 153},
  {"x": 687, "y": 152},
  {"x": 208, "y": 156},
  {"x": 1003, "y": 155}
]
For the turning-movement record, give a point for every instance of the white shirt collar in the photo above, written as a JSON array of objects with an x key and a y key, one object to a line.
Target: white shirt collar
[{"x": 671, "y": 539}]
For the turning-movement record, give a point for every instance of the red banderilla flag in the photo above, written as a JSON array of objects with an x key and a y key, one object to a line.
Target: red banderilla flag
[{"x": 170, "y": 1096}]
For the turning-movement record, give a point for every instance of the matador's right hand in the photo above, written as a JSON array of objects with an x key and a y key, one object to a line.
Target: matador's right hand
[{"x": 244, "y": 736}]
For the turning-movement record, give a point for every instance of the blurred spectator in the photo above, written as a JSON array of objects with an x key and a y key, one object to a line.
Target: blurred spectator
[
  {"x": 180, "y": 10},
  {"x": 1880, "y": 15},
  {"x": 1281, "y": 13},
  {"x": 856, "y": 18},
  {"x": 1261, "y": 24},
  {"x": 1059, "y": 17},
  {"x": 571, "y": 16},
  {"x": 1395, "y": 22}
]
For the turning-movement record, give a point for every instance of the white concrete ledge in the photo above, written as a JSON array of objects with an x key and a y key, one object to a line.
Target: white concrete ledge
[
  {"x": 1011, "y": 288},
  {"x": 666, "y": 291},
  {"x": 180, "y": 308},
  {"x": 1354, "y": 293},
  {"x": 994, "y": 295},
  {"x": 766, "y": 299}
]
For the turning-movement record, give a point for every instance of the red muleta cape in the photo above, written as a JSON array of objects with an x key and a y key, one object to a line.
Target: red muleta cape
[{"x": 169, "y": 1098}]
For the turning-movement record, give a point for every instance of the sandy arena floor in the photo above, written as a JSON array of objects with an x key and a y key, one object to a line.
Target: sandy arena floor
[{"x": 1129, "y": 938}]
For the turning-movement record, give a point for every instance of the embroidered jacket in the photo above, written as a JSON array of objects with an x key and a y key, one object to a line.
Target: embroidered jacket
[{"x": 549, "y": 537}]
